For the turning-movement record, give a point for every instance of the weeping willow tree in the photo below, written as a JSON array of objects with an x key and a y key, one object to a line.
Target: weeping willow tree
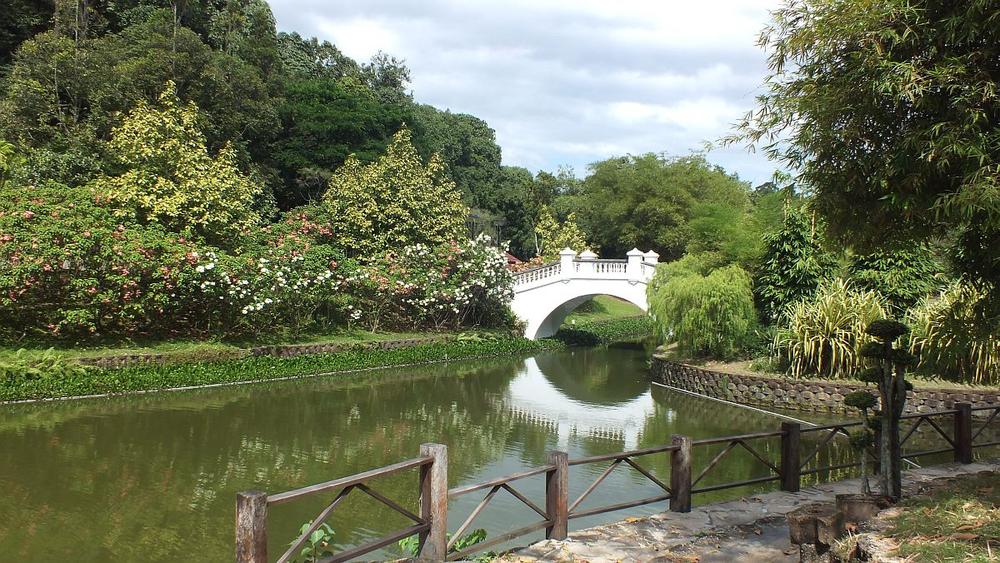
[{"x": 706, "y": 315}]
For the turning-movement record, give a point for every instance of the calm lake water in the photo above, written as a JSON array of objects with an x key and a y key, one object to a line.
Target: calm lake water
[{"x": 153, "y": 477}]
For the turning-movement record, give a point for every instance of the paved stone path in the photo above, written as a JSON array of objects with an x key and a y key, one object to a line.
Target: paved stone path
[{"x": 748, "y": 529}]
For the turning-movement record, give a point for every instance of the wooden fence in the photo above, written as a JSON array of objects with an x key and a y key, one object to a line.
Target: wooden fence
[{"x": 431, "y": 524}]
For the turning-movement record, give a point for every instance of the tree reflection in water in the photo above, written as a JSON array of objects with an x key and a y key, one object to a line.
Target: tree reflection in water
[{"x": 153, "y": 477}]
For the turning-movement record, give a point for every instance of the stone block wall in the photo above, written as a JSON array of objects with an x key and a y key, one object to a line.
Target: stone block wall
[{"x": 794, "y": 394}]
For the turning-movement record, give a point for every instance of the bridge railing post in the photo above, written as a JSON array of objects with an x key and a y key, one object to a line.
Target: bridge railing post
[
  {"x": 633, "y": 267},
  {"x": 567, "y": 266}
]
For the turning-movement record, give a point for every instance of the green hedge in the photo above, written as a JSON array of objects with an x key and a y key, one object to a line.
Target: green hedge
[
  {"x": 605, "y": 332},
  {"x": 151, "y": 377}
]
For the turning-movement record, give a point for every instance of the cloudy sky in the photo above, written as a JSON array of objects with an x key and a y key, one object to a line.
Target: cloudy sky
[{"x": 567, "y": 82}]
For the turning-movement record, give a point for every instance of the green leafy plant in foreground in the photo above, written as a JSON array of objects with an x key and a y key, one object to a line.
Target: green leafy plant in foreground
[
  {"x": 318, "y": 546},
  {"x": 411, "y": 546}
]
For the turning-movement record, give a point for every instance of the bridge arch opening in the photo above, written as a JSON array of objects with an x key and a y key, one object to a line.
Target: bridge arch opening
[{"x": 555, "y": 317}]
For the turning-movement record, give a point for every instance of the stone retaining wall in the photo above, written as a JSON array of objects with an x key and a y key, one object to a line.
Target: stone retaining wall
[
  {"x": 796, "y": 394},
  {"x": 281, "y": 351}
]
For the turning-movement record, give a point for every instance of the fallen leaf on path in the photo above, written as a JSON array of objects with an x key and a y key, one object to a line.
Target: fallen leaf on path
[{"x": 964, "y": 537}]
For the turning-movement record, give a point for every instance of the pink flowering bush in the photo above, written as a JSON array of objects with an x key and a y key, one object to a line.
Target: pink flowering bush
[{"x": 69, "y": 268}]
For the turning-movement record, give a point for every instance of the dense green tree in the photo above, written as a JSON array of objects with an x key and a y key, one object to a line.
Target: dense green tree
[
  {"x": 902, "y": 276},
  {"x": 793, "y": 266},
  {"x": 246, "y": 30},
  {"x": 705, "y": 315},
  {"x": 310, "y": 58},
  {"x": 647, "y": 201},
  {"x": 468, "y": 147},
  {"x": 19, "y": 21},
  {"x": 323, "y": 122},
  {"x": 394, "y": 202},
  {"x": 65, "y": 96},
  {"x": 889, "y": 110},
  {"x": 171, "y": 179}
]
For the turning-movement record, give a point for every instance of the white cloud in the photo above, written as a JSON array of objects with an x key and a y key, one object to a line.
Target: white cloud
[{"x": 567, "y": 81}]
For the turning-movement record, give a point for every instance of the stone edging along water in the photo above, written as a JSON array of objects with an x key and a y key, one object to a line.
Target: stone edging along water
[{"x": 787, "y": 393}]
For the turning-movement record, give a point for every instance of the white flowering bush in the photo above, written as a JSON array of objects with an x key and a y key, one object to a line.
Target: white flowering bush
[
  {"x": 456, "y": 284},
  {"x": 287, "y": 283}
]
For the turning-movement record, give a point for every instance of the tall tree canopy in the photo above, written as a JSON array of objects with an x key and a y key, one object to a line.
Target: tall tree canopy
[
  {"x": 396, "y": 201},
  {"x": 647, "y": 201},
  {"x": 170, "y": 178},
  {"x": 889, "y": 111}
]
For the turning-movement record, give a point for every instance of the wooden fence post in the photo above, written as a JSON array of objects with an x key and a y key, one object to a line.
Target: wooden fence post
[
  {"x": 251, "y": 527},
  {"x": 680, "y": 474},
  {"x": 434, "y": 502},
  {"x": 790, "y": 468},
  {"x": 557, "y": 496},
  {"x": 963, "y": 433}
]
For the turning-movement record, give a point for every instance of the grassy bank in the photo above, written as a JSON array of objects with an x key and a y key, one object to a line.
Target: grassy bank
[
  {"x": 77, "y": 381},
  {"x": 595, "y": 333},
  {"x": 57, "y": 374},
  {"x": 952, "y": 519},
  {"x": 190, "y": 350}
]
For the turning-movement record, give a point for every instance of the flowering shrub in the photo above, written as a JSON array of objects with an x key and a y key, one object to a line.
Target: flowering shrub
[
  {"x": 455, "y": 284},
  {"x": 69, "y": 268},
  {"x": 285, "y": 280}
]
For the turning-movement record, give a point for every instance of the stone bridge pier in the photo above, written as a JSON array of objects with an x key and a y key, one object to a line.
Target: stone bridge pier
[{"x": 544, "y": 296}]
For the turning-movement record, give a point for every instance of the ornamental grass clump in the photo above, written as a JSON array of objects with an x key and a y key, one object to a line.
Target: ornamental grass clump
[
  {"x": 823, "y": 335},
  {"x": 956, "y": 336}
]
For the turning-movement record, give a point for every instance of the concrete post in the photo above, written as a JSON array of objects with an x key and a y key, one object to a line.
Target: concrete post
[
  {"x": 633, "y": 269},
  {"x": 566, "y": 265},
  {"x": 587, "y": 262},
  {"x": 651, "y": 257}
]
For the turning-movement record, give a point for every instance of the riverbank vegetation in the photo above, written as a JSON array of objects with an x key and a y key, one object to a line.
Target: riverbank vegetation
[
  {"x": 907, "y": 227},
  {"x": 63, "y": 378},
  {"x": 47, "y": 374},
  {"x": 190, "y": 179}
]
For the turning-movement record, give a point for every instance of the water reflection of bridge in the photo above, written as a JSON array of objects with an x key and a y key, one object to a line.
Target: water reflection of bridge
[{"x": 533, "y": 397}]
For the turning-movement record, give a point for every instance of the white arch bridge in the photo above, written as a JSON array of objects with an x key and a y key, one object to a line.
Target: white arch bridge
[{"x": 543, "y": 296}]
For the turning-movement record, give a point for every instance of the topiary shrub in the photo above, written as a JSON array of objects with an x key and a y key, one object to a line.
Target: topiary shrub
[
  {"x": 705, "y": 315},
  {"x": 825, "y": 335},
  {"x": 888, "y": 365}
]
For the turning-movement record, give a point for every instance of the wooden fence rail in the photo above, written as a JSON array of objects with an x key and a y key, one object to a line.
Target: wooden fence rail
[{"x": 555, "y": 510}]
